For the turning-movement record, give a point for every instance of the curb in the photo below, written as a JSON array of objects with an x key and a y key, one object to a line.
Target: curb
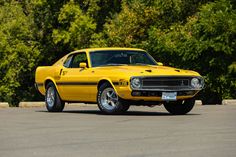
[
  {"x": 198, "y": 102},
  {"x": 229, "y": 102},
  {"x": 42, "y": 104},
  {"x": 4, "y": 105},
  {"x": 80, "y": 104},
  {"x": 31, "y": 104}
]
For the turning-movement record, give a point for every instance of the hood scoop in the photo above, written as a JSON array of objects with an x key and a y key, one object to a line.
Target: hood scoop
[
  {"x": 177, "y": 70},
  {"x": 148, "y": 71}
]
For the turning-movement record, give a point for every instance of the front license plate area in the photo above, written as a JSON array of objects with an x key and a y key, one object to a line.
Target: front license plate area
[{"x": 169, "y": 95}]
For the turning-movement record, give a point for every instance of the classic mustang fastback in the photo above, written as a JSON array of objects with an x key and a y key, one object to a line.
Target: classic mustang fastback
[{"x": 116, "y": 78}]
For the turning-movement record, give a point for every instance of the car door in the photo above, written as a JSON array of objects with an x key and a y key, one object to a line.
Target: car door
[{"x": 75, "y": 82}]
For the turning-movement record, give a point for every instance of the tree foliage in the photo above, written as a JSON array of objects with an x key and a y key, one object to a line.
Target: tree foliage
[
  {"x": 76, "y": 28},
  {"x": 206, "y": 43},
  {"x": 190, "y": 34},
  {"x": 18, "y": 52}
]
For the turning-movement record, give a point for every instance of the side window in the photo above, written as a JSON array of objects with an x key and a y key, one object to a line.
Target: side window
[
  {"x": 77, "y": 59},
  {"x": 68, "y": 61}
]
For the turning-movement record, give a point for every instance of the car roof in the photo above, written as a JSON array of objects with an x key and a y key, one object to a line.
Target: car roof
[
  {"x": 96, "y": 49},
  {"x": 107, "y": 48}
]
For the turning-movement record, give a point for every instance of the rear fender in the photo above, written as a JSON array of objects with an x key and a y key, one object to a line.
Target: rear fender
[{"x": 52, "y": 80}]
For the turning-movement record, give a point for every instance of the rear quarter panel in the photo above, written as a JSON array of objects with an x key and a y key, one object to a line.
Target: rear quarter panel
[{"x": 44, "y": 73}]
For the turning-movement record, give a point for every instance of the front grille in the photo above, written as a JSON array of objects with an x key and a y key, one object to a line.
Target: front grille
[
  {"x": 159, "y": 93},
  {"x": 166, "y": 83}
]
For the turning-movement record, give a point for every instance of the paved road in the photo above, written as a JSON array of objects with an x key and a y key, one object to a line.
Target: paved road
[{"x": 208, "y": 131}]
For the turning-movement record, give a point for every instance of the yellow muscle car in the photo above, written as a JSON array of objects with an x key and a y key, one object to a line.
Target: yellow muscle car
[{"x": 116, "y": 78}]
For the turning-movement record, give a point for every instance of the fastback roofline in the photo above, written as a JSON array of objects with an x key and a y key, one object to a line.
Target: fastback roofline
[{"x": 106, "y": 48}]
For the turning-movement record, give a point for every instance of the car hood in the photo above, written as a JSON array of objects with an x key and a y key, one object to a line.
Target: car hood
[{"x": 148, "y": 70}]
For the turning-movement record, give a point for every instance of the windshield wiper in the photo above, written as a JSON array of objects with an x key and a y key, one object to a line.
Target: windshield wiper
[
  {"x": 112, "y": 64},
  {"x": 139, "y": 64}
]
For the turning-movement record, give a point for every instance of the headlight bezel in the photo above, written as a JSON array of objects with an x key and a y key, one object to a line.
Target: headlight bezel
[
  {"x": 133, "y": 85},
  {"x": 197, "y": 83}
]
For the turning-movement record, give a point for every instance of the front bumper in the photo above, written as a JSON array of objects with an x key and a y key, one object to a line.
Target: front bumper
[
  {"x": 159, "y": 93},
  {"x": 152, "y": 95},
  {"x": 152, "y": 88}
]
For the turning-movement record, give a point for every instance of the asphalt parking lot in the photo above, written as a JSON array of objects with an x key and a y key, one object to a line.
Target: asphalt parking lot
[{"x": 82, "y": 131}]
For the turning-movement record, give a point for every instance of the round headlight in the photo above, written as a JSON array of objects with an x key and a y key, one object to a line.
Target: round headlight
[
  {"x": 196, "y": 83},
  {"x": 136, "y": 83}
]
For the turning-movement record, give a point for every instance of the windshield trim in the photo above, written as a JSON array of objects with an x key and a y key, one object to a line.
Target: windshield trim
[{"x": 139, "y": 51}]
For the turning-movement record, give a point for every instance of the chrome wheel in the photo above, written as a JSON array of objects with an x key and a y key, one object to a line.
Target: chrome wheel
[
  {"x": 109, "y": 99},
  {"x": 50, "y": 96}
]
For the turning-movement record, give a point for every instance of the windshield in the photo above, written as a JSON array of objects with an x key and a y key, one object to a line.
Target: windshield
[{"x": 120, "y": 57}]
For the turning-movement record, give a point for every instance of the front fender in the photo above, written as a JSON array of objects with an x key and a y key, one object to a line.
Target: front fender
[
  {"x": 113, "y": 83},
  {"x": 121, "y": 90}
]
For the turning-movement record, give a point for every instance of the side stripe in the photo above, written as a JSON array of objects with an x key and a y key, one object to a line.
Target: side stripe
[
  {"x": 81, "y": 83},
  {"x": 76, "y": 83}
]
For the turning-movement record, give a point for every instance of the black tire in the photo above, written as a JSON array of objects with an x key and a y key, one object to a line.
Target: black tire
[
  {"x": 125, "y": 106},
  {"x": 119, "y": 107},
  {"x": 56, "y": 104},
  {"x": 180, "y": 107}
]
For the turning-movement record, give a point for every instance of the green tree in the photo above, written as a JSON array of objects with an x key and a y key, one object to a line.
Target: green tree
[
  {"x": 131, "y": 25},
  {"x": 206, "y": 43},
  {"x": 76, "y": 28},
  {"x": 80, "y": 22},
  {"x": 18, "y": 53},
  {"x": 192, "y": 34},
  {"x": 45, "y": 16}
]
